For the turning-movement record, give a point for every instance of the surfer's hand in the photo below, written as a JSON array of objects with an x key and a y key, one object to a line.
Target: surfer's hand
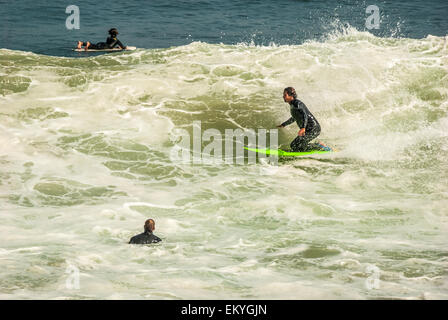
[{"x": 302, "y": 132}]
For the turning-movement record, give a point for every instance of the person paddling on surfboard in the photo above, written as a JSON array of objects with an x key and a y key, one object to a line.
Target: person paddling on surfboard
[
  {"x": 309, "y": 127},
  {"x": 111, "y": 42}
]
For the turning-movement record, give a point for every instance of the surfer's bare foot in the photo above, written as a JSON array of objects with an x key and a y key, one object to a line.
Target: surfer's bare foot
[
  {"x": 321, "y": 143},
  {"x": 323, "y": 146},
  {"x": 79, "y": 44}
]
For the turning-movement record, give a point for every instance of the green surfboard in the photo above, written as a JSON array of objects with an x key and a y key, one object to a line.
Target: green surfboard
[{"x": 283, "y": 153}]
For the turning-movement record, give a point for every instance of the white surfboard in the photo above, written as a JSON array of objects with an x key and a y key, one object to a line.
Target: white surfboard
[{"x": 129, "y": 48}]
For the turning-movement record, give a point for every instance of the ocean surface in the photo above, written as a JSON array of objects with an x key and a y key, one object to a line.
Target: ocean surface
[{"x": 87, "y": 140}]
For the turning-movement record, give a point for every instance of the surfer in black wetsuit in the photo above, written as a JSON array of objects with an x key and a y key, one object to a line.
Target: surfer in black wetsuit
[
  {"x": 146, "y": 237},
  {"x": 111, "y": 42},
  {"x": 309, "y": 127}
]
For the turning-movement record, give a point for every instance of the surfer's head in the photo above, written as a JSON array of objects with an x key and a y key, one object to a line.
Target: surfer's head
[
  {"x": 289, "y": 94},
  {"x": 150, "y": 225},
  {"x": 113, "y": 32}
]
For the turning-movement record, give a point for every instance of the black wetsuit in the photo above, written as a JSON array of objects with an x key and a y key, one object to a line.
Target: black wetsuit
[
  {"x": 145, "y": 238},
  {"x": 110, "y": 43},
  {"x": 304, "y": 119}
]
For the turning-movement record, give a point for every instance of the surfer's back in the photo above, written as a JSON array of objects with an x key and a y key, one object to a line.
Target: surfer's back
[{"x": 146, "y": 237}]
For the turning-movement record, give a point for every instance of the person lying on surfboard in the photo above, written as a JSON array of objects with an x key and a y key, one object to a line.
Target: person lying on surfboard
[
  {"x": 110, "y": 43},
  {"x": 309, "y": 127}
]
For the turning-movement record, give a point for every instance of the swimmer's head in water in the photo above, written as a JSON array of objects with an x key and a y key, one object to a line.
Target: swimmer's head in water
[
  {"x": 289, "y": 93},
  {"x": 150, "y": 225},
  {"x": 113, "y": 32}
]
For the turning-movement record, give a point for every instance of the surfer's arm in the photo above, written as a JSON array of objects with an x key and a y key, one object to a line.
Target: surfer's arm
[
  {"x": 120, "y": 44},
  {"x": 287, "y": 122},
  {"x": 115, "y": 43}
]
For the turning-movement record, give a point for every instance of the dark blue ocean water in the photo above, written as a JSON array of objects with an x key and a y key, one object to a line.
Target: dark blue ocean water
[{"x": 39, "y": 26}]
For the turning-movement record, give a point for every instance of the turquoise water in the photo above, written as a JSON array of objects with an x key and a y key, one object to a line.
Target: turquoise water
[{"x": 85, "y": 153}]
